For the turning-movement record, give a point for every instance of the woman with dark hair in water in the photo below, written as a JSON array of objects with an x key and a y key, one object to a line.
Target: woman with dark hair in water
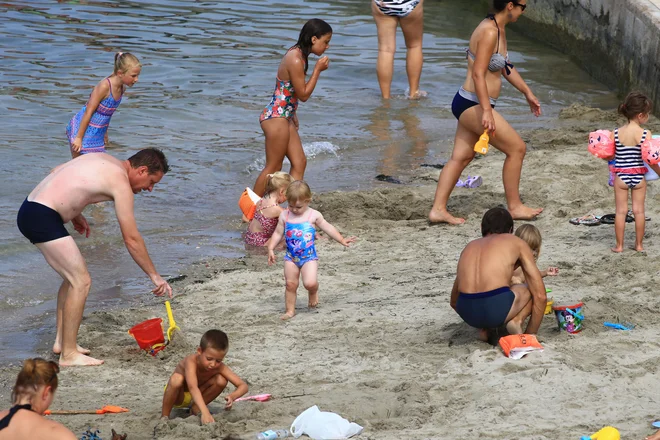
[
  {"x": 474, "y": 107},
  {"x": 279, "y": 120}
]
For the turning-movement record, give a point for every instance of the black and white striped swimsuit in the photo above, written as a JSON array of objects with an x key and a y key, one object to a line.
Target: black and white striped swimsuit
[
  {"x": 628, "y": 163},
  {"x": 396, "y": 8}
]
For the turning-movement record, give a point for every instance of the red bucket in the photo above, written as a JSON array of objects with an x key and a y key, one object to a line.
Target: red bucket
[{"x": 148, "y": 333}]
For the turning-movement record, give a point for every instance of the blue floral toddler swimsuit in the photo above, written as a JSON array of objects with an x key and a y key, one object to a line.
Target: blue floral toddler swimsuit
[{"x": 299, "y": 239}]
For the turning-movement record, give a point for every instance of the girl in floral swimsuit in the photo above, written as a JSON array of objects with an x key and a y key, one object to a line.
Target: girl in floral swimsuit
[
  {"x": 298, "y": 225},
  {"x": 279, "y": 121},
  {"x": 268, "y": 210}
]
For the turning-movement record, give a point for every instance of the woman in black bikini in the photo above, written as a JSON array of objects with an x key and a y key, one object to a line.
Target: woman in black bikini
[
  {"x": 32, "y": 395},
  {"x": 474, "y": 105}
]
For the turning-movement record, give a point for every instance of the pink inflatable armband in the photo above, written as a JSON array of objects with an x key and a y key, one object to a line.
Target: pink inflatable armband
[
  {"x": 601, "y": 144},
  {"x": 651, "y": 151}
]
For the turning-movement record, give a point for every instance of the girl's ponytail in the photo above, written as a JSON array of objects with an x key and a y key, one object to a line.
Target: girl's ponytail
[
  {"x": 277, "y": 181},
  {"x": 35, "y": 372},
  {"x": 124, "y": 61}
]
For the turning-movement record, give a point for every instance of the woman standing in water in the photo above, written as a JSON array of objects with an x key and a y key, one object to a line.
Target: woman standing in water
[
  {"x": 410, "y": 15},
  {"x": 474, "y": 106},
  {"x": 279, "y": 121}
]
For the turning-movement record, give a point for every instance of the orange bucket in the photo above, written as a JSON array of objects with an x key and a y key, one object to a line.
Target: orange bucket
[{"x": 148, "y": 333}]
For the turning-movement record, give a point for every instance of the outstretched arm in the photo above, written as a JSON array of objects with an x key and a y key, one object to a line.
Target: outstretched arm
[
  {"x": 535, "y": 285},
  {"x": 275, "y": 239},
  {"x": 332, "y": 231},
  {"x": 190, "y": 374},
  {"x": 519, "y": 83},
  {"x": 241, "y": 387},
  {"x": 123, "y": 198}
]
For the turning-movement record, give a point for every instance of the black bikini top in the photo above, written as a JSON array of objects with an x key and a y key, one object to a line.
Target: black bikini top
[{"x": 12, "y": 412}]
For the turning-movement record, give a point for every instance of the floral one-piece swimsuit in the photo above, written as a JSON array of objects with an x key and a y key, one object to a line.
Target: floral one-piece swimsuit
[
  {"x": 299, "y": 238},
  {"x": 283, "y": 104}
]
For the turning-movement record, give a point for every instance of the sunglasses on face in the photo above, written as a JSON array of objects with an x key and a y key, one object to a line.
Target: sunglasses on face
[{"x": 522, "y": 7}]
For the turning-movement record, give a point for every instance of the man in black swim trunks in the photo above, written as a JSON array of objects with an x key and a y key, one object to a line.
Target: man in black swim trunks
[
  {"x": 60, "y": 198},
  {"x": 482, "y": 295}
]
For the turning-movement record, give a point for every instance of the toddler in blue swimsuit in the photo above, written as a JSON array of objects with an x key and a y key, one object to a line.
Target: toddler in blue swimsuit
[{"x": 298, "y": 226}]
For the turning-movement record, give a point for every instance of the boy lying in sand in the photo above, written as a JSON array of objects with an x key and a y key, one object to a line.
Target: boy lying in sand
[
  {"x": 532, "y": 236},
  {"x": 481, "y": 294},
  {"x": 199, "y": 378}
]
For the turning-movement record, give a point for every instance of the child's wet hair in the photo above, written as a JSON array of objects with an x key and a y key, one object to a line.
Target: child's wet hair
[
  {"x": 313, "y": 28},
  {"x": 35, "y": 373},
  {"x": 152, "y": 158},
  {"x": 496, "y": 221},
  {"x": 531, "y": 235},
  {"x": 634, "y": 104},
  {"x": 216, "y": 339},
  {"x": 298, "y": 190},
  {"x": 277, "y": 181},
  {"x": 124, "y": 61}
]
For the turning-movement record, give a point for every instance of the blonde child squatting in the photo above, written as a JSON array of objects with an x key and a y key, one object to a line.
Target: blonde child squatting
[
  {"x": 200, "y": 378},
  {"x": 532, "y": 236},
  {"x": 268, "y": 209},
  {"x": 298, "y": 226},
  {"x": 629, "y": 167}
]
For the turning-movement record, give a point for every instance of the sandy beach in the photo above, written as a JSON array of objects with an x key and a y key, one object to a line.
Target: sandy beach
[{"x": 384, "y": 349}]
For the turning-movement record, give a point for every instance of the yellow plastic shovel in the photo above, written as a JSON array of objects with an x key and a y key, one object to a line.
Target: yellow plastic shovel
[{"x": 170, "y": 318}]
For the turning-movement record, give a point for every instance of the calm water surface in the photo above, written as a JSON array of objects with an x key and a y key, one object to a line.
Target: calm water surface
[{"x": 208, "y": 70}]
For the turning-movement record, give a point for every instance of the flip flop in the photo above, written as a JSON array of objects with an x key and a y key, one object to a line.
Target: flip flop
[
  {"x": 607, "y": 219},
  {"x": 630, "y": 217},
  {"x": 587, "y": 220},
  {"x": 470, "y": 182}
]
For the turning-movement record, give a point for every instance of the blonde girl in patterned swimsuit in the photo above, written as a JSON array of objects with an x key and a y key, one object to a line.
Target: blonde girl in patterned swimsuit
[
  {"x": 279, "y": 121},
  {"x": 268, "y": 210}
]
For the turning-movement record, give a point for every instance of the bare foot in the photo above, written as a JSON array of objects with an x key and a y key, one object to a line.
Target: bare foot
[
  {"x": 617, "y": 249},
  {"x": 525, "y": 213},
  {"x": 57, "y": 349},
  {"x": 313, "y": 300},
  {"x": 419, "y": 94},
  {"x": 79, "y": 359},
  {"x": 444, "y": 217},
  {"x": 639, "y": 248},
  {"x": 514, "y": 327},
  {"x": 287, "y": 316},
  {"x": 483, "y": 335}
]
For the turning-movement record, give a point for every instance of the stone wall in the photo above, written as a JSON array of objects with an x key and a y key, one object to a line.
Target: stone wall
[{"x": 616, "y": 41}]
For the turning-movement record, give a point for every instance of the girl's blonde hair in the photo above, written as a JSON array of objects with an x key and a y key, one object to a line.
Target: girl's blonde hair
[
  {"x": 277, "y": 181},
  {"x": 298, "y": 190},
  {"x": 124, "y": 61},
  {"x": 530, "y": 235},
  {"x": 35, "y": 372}
]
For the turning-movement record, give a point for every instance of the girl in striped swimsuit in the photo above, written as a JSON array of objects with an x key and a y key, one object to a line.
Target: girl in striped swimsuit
[
  {"x": 629, "y": 167},
  {"x": 88, "y": 129}
]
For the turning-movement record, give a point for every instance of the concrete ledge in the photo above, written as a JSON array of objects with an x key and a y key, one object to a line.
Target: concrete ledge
[{"x": 616, "y": 41}]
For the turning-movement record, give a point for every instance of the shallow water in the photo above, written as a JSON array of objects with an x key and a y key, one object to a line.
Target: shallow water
[{"x": 208, "y": 70}]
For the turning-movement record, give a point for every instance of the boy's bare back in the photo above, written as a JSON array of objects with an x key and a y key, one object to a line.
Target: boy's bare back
[{"x": 488, "y": 263}]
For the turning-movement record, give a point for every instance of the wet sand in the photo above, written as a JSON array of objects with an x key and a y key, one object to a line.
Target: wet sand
[{"x": 384, "y": 348}]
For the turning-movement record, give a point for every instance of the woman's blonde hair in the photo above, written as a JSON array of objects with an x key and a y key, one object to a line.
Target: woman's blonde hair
[
  {"x": 35, "y": 372},
  {"x": 530, "y": 235},
  {"x": 124, "y": 61},
  {"x": 298, "y": 190},
  {"x": 277, "y": 181}
]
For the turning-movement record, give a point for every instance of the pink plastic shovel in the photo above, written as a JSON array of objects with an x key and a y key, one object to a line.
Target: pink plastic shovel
[{"x": 257, "y": 397}]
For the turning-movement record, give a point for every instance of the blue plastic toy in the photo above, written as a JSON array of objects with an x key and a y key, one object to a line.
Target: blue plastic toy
[{"x": 618, "y": 326}]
